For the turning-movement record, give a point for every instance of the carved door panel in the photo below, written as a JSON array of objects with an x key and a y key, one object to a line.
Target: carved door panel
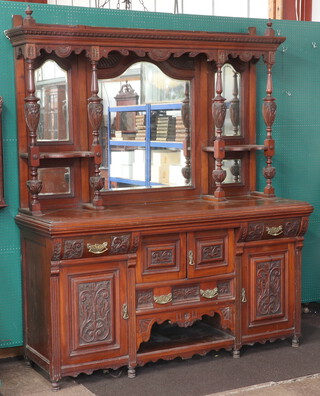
[
  {"x": 94, "y": 312},
  {"x": 268, "y": 292},
  {"x": 210, "y": 253}
]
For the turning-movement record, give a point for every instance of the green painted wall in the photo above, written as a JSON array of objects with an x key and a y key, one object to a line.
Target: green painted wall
[{"x": 297, "y": 129}]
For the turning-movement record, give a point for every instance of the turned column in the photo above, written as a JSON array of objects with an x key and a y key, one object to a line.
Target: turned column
[
  {"x": 32, "y": 116},
  {"x": 219, "y": 109},
  {"x": 235, "y": 105},
  {"x": 95, "y": 113},
  {"x": 269, "y": 108},
  {"x": 185, "y": 114}
]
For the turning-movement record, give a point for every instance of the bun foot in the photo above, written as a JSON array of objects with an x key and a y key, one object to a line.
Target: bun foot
[
  {"x": 55, "y": 386},
  {"x": 131, "y": 372}
]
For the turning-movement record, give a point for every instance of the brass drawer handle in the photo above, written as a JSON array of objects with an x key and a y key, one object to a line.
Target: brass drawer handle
[
  {"x": 191, "y": 259},
  {"x": 125, "y": 314},
  {"x": 243, "y": 295},
  {"x": 209, "y": 293},
  {"x": 163, "y": 299},
  {"x": 274, "y": 231},
  {"x": 97, "y": 248}
]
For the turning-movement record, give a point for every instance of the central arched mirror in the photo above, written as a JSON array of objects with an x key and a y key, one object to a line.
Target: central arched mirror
[{"x": 143, "y": 132}]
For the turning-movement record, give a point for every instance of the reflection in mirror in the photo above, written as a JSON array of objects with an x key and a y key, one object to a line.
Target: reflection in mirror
[
  {"x": 51, "y": 89},
  {"x": 231, "y": 83},
  {"x": 143, "y": 131},
  {"x": 233, "y": 169},
  {"x": 55, "y": 181}
]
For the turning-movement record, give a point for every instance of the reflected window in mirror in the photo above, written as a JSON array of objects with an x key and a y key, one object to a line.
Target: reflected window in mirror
[
  {"x": 52, "y": 90},
  {"x": 146, "y": 135},
  {"x": 231, "y": 81}
]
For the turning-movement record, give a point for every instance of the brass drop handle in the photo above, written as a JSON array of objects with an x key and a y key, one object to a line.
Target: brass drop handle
[
  {"x": 243, "y": 295},
  {"x": 125, "y": 314},
  {"x": 274, "y": 231},
  {"x": 163, "y": 299},
  {"x": 97, "y": 248},
  {"x": 191, "y": 259},
  {"x": 209, "y": 293}
]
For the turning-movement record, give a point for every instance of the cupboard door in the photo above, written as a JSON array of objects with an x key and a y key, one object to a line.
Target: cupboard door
[
  {"x": 210, "y": 253},
  {"x": 162, "y": 257},
  {"x": 268, "y": 293},
  {"x": 93, "y": 307}
]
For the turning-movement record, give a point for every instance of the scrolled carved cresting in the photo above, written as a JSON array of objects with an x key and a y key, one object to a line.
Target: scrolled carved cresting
[
  {"x": 32, "y": 116},
  {"x": 219, "y": 110},
  {"x": 95, "y": 113}
]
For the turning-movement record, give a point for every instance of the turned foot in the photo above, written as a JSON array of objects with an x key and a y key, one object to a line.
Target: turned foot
[
  {"x": 295, "y": 342},
  {"x": 27, "y": 362},
  {"x": 55, "y": 386},
  {"x": 236, "y": 354},
  {"x": 131, "y": 372}
]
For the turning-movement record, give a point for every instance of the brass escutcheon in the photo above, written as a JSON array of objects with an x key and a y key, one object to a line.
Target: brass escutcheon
[
  {"x": 163, "y": 299},
  {"x": 97, "y": 248},
  {"x": 125, "y": 314},
  {"x": 191, "y": 259},
  {"x": 274, "y": 231},
  {"x": 209, "y": 293}
]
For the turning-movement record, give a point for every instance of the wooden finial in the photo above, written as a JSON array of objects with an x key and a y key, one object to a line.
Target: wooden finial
[
  {"x": 269, "y": 31},
  {"x": 29, "y": 20}
]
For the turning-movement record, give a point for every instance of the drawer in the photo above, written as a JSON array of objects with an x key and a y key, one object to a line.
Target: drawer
[
  {"x": 270, "y": 229},
  {"x": 182, "y": 294},
  {"x": 93, "y": 246}
]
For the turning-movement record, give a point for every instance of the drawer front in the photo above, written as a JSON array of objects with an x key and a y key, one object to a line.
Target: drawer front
[
  {"x": 94, "y": 246},
  {"x": 158, "y": 298},
  {"x": 210, "y": 253},
  {"x": 271, "y": 229},
  {"x": 161, "y": 257}
]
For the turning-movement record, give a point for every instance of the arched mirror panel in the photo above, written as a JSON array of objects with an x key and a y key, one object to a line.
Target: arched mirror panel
[
  {"x": 146, "y": 130},
  {"x": 51, "y": 83}
]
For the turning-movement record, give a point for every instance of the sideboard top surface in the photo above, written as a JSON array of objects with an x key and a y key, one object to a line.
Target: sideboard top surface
[{"x": 179, "y": 213}]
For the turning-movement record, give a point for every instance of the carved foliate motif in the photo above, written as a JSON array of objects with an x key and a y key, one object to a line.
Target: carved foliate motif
[
  {"x": 144, "y": 298},
  {"x": 226, "y": 313},
  {"x": 291, "y": 228},
  {"x": 212, "y": 252},
  {"x": 162, "y": 256},
  {"x": 255, "y": 232},
  {"x": 95, "y": 315},
  {"x": 224, "y": 288},
  {"x": 183, "y": 293},
  {"x": 56, "y": 254},
  {"x": 268, "y": 281},
  {"x": 120, "y": 244},
  {"x": 32, "y": 114},
  {"x": 269, "y": 172},
  {"x": 73, "y": 249}
]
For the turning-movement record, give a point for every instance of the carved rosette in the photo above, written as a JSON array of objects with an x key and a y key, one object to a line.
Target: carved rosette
[{"x": 95, "y": 314}]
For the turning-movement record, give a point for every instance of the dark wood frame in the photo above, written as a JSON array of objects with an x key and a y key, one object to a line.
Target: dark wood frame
[{"x": 2, "y": 203}]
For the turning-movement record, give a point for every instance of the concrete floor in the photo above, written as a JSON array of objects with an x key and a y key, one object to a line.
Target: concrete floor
[{"x": 17, "y": 379}]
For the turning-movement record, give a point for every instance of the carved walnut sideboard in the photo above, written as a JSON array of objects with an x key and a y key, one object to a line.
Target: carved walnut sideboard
[{"x": 120, "y": 270}]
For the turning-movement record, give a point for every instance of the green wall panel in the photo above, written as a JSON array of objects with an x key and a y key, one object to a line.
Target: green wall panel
[{"x": 297, "y": 128}]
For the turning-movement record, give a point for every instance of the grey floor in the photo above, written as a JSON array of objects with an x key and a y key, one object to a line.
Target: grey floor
[{"x": 274, "y": 369}]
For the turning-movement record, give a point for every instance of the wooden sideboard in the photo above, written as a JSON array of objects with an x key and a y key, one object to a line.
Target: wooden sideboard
[{"x": 177, "y": 254}]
